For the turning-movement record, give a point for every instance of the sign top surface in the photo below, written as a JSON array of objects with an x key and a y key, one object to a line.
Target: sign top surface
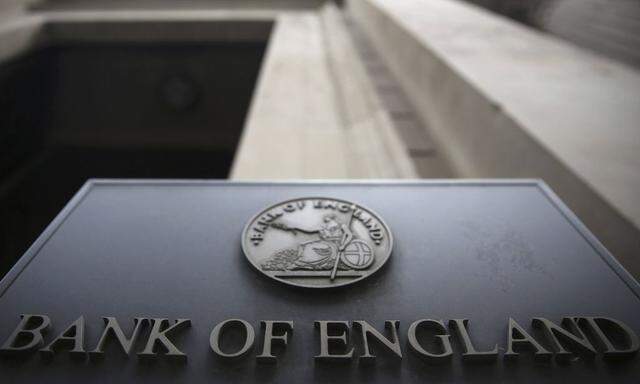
[{"x": 485, "y": 251}]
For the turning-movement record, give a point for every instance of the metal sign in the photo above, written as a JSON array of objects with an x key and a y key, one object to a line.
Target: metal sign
[{"x": 482, "y": 281}]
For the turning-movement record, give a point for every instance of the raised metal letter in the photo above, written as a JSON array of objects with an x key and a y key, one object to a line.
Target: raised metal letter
[
  {"x": 325, "y": 338},
  {"x": 574, "y": 337},
  {"x": 518, "y": 337},
  {"x": 112, "y": 327},
  {"x": 368, "y": 330},
  {"x": 269, "y": 337},
  {"x": 595, "y": 326},
  {"x": 72, "y": 336},
  {"x": 470, "y": 353},
  {"x": 158, "y": 335},
  {"x": 443, "y": 339},
  {"x": 214, "y": 339},
  {"x": 27, "y": 330}
]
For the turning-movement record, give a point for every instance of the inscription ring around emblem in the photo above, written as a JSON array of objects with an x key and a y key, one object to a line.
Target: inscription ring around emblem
[{"x": 317, "y": 242}]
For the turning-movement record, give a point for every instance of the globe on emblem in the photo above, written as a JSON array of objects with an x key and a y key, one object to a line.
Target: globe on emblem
[{"x": 357, "y": 255}]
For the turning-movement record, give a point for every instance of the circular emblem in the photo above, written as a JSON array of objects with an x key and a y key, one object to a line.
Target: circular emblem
[{"x": 317, "y": 242}]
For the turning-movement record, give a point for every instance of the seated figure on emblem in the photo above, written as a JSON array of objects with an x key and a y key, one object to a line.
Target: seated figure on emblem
[{"x": 319, "y": 254}]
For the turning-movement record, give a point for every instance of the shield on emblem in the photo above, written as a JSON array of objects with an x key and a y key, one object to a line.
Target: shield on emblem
[
  {"x": 315, "y": 254},
  {"x": 357, "y": 255}
]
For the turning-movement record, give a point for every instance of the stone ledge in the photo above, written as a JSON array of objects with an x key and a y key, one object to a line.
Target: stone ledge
[{"x": 314, "y": 113}]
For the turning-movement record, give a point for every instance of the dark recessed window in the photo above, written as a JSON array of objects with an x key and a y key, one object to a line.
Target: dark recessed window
[{"x": 73, "y": 112}]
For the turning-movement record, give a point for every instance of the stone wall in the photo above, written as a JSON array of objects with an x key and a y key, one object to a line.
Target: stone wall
[{"x": 503, "y": 100}]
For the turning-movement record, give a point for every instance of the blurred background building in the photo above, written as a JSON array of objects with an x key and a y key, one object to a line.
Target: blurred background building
[
  {"x": 278, "y": 89},
  {"x": 609, "y": 27}
]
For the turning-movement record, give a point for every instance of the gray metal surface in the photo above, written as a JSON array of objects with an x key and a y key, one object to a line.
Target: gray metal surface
[{"x": 485, "y": 251}]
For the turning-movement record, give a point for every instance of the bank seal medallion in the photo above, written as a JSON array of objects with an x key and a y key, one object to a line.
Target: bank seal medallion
[{"x": 317, "y": 242}]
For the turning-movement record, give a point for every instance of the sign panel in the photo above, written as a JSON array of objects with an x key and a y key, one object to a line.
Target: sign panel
[{"x": 193, "y": 281}]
